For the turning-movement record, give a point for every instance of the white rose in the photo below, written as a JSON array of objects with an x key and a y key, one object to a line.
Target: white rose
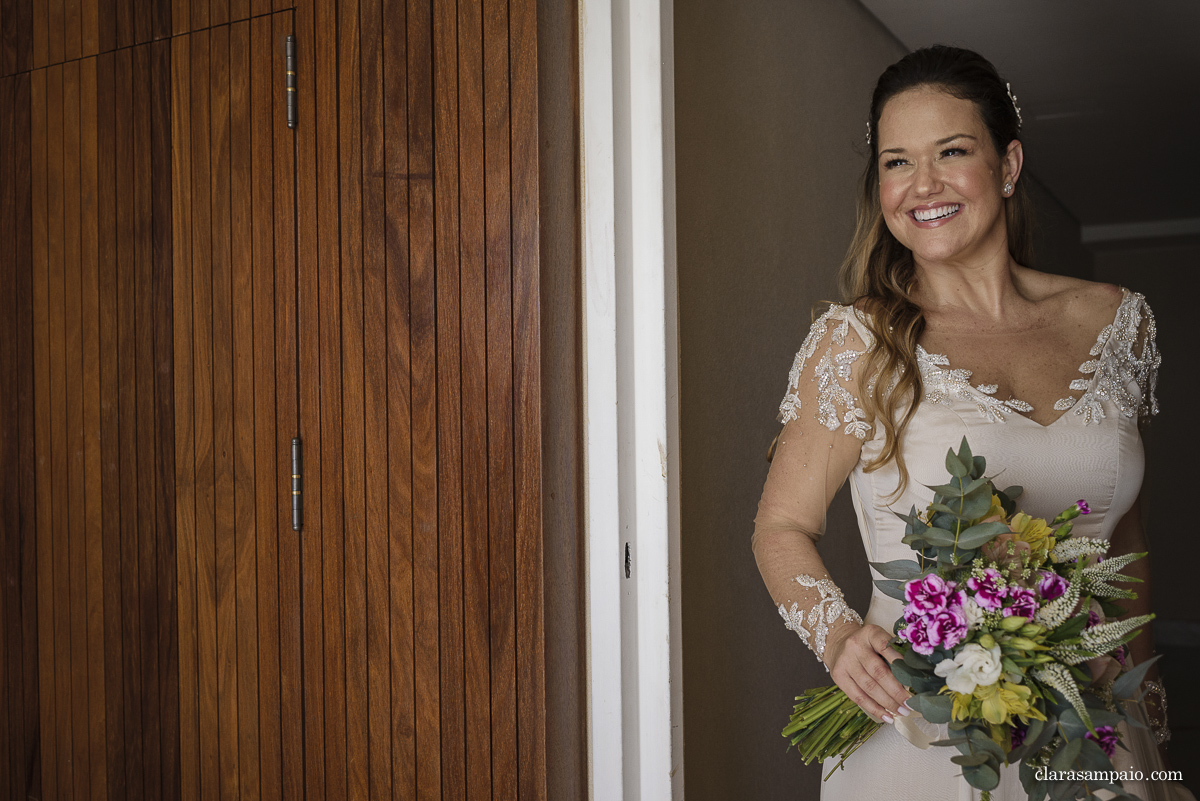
[
  {"x": 973, "y": 612},
  {"x": 973, "y": 666}
]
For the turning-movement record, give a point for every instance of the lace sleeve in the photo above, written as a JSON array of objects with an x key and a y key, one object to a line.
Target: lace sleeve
[
  {"x": 1146, "y": 359},
  {"x": 821, "y": 442},
  {"x": 822, "y": 375}
]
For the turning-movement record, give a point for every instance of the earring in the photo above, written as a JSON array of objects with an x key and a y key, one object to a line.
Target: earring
[{"x": 1008, "y": 188}]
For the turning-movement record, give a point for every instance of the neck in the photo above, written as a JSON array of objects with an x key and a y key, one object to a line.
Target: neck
[{"x": 983, "y": 286}]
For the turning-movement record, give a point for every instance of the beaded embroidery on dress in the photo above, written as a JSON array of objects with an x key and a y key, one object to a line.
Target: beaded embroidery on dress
[{"x": 1092, "y": 451}]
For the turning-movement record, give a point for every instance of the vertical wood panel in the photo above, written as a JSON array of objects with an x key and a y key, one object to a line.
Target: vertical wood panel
[
  {"x": 399, "y": 416},
  {"x": 527, "y": 458},
  {"x": 60, "y": 576},
  {"x": 267, "y": 453},
  {"x": 206, "y": 566},
  {"x": 222, "y": 373},
  {"x": 72, "y": 367},
  {"x": 166, "y": 683},
  {"x": 131, "y": 628},
  {"x": 110, "y": 461},
  {"x": 449, "y": 395},
  {"x": 93, "y": 496},
  {"x": 379, "y": 700},
  {"x": 245, "y": 568},
  {"x": 39, "y": 148},
  {"x": 145, "y": 580},
  {"x": 475, "y": 579},
  {"x": 90, "y": 22},
  {"x": 56, "y": 31},
  {"x": 502, "y": 565},
  {"x": 16, "y": 39},
  {"x": 349, "y": 215},
  {"x": 41, "y": 34},
  {"x": 330, "y": 460},
  {"x": 291, "y": 690},
  {"x": 310, "y": 335},
  {"x": 185, "y": 454},
  {"x": 424, "y": 401},
  {"x": 72, "y": 29}
]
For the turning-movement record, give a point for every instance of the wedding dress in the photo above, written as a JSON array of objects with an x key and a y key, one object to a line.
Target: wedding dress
[{"x": 1093, "y": 451}]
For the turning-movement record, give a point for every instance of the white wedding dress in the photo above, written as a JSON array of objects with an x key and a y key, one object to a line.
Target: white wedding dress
[{"x": 1093, "y": 451}]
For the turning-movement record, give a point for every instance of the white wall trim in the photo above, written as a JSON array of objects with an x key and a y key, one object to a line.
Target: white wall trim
[{"x": 630, "y": 398}]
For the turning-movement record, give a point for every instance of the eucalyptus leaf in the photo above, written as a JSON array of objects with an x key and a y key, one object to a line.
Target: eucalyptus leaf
[
  {"x": 891, "y": 588},
  {"x": 980, "y": 534},
  {"x": 1092, "y": 757},
  {"x": 1045, "y": 735},
  {"x": 1065, "y": 757},
  {"x": 934, "y": 708},
  {"x": 951, "y": 741},
  {"x": 1013, "y": 492},
  {"x": 1072, "y": 726},
  {"x": 900, "y": 569},
  {"x": 982, "y": 777},
  {"x": 1127, "y": 685},
  {"x": 915, "y": 660},
  {"x": 976, "y": 505},
  {"x": 1064, "y": 790},
  {"x": 1070, "y": 629},
  {"x": 970, "y": 759},
  {"x": 964, "y": 451},
  {"x": 955, "y": 466},
  {"x": 939, "y": 536},
  {"x": 981, "y": 740},
  {"x": 978, "y": 465}
]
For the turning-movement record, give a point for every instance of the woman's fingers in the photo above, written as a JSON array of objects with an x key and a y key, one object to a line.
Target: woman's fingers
[{"x": 866, "y": 676}]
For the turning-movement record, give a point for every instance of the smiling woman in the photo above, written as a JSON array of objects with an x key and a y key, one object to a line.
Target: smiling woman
[{"x": 938, "y": 274}]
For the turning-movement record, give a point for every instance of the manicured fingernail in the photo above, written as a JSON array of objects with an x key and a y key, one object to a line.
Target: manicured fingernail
[
  {"x": 906, "y": 706},
  {"x": 903, "y": 710},
  {"x": 887, "y": 718}
]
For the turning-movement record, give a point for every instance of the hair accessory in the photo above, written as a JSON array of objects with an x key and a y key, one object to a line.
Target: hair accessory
[
  {"x": 868, "y": 132},
  {"x": 1016, "y": 108}
]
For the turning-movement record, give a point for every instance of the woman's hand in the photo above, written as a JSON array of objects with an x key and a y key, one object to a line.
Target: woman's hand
[{"x": 858, "y": 658}]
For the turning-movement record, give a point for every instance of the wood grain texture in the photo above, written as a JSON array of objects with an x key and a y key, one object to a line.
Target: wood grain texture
[
  {"x": 72, "y": 29},
  {"x": 330, "y": 461},
  {"x": 244, "y": 496},
  {"x": 223, "y": 411},
  {"x": 349, "y": 215},
  {"x": 423, "y": 345},
  {"x": 16, "y": 40},
  {"x": 449, "y": 396},
  {"x": 166, "y": 682},
  {"x": 375, "y": 408},
  {"x": 477, "y": 689},
  {"x": 291, "y": 687},
  {"x": 268, "y": 447},
  {"x": 502, "y": 566},
  {"x": 202, "y": 320},
  {"x": 309, "y": 324},
  {"x": 110, "y": 463},
  {"x": 185, "y": 452},
  {"x": 527, "y": 456},
  {"x": 39, "y": 156},
  {"x": 399, "y": 388}
]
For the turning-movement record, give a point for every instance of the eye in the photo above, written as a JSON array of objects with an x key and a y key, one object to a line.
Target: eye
[
  {"x": 893, "y": 163},
  {"x": 954, "y": 151}
]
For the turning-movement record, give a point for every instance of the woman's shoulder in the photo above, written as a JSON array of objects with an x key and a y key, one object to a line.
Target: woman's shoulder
[{"x": 1077, "y": 301}]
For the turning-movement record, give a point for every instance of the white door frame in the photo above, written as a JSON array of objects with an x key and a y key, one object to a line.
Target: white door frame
[{"x": 631, "y": 443}]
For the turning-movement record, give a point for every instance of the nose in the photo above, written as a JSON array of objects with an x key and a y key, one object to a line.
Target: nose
[{"x": 926, "y": 180}]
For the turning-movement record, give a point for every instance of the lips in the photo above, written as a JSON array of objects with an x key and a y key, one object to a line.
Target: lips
[{"x": 936, "y": 213}]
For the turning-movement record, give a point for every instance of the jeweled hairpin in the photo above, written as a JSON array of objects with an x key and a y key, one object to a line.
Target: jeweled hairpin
[
  {"x": 868, "y": 133},
  {"x": 1016, "y": 108}
]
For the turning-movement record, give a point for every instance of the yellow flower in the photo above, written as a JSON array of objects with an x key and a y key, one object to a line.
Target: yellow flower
[
  {"x": 1032, "y": 530},
  {"x": 1004, "y": 699},
  {"x": 965, "y": 705}
]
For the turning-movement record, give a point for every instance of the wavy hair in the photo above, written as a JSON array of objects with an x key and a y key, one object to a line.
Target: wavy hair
[{"x": 878, "y": 276}]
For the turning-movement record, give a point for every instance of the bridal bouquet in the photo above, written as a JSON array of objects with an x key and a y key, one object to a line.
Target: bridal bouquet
[{"x": 1008, "y": 636}]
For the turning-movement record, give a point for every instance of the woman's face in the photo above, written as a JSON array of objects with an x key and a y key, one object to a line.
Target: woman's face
[{"x": 941, "y": 181}]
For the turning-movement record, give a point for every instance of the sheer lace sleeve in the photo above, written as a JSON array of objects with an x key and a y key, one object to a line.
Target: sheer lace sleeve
[
  {"x": 821, "y": 441},
  {"x": 1146, "y": 359}
]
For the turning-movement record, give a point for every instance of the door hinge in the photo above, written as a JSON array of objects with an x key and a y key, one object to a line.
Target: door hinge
[
  {"x": 297, "y": 510},
  {"x": 292, "y": 113}
]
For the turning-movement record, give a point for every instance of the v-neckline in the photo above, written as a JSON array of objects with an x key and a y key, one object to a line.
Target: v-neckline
[{"x": 941, "y": 363}]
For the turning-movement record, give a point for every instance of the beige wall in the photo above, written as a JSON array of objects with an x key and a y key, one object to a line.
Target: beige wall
[{"x": 771, "y": 103}]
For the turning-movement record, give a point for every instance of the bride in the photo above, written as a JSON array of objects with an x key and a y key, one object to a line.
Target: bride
[{"x": 949, "y": 333}]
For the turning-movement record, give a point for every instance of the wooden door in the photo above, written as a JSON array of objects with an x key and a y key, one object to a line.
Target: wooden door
[{"x": 193, "y": 285}]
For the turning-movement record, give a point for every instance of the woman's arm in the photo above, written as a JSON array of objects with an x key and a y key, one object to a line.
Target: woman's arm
[{"x": 820, "y": 444}]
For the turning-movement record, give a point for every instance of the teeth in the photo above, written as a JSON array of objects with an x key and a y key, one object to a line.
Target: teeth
[{"x": 925, "y": 215}]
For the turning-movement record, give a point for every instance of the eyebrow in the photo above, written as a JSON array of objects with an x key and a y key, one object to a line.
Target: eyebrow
[{"x": 947, "y": 140}]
